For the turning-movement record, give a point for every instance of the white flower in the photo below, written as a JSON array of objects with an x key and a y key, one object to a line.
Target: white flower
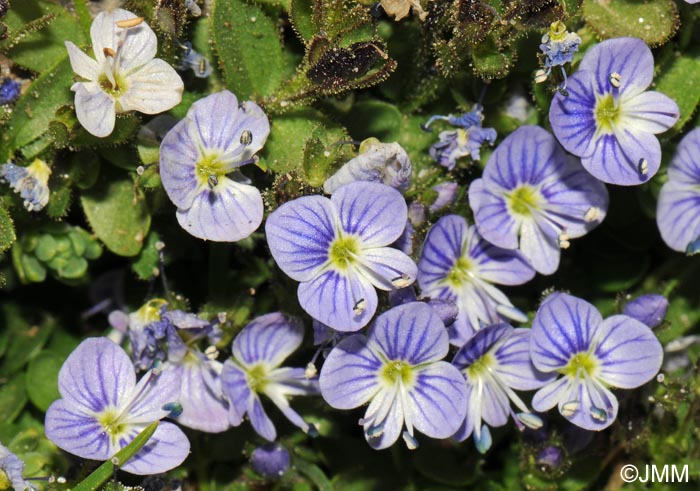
[{"x": 125, "y": 76}]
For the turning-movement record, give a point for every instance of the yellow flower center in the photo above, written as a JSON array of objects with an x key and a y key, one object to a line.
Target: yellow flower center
[
  {"x": 460, "y": 273},
  {"x": 580, "y": 364},
  {"x": 112, "y": 424},
  {"x": 4, "y": 481},
  {"x": 523, "y": 200},
  {"x": 209, "y": 170},
  {"x": 343, "y": 251},
  {"x": 257, "y": 378},
  {"x": 116, "y": 89},
  {"x": 480, "y": 366},
  {"x": 397, "y": 370},
  {"x": 607, "y": 114}
]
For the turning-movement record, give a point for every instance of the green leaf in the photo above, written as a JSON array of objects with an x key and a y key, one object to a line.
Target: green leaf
[
  {"x": 7, "y": 230},
  {"x": 42, "y": 379},
  {"x": 314, "y": 473},
  {"x": 13, "y": 398},
  {"x": 301, "y": 16},
  {"x": 26, "y": 340},
  {"x": 680, "y": 80},
  {"x": 654, "y": 21},
  {"x": 146, "y": 264},
  {"x": 374, "y": 118},
  {"x": 248, "y": 47},
  {"x": 106, "y": 470},
  {"x": 118, "y": 213}
]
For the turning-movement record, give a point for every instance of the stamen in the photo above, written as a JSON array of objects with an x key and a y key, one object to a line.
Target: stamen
[
  {"x": 311, "y": 371},
  {"x": 563, "y": 240},
  {"x": 530, "y": 420},
  {"x": 174, "y": 409},
  {"x": 246, "y": 137},
  {"x": 599, "y": 414},
  {"x": 212, "y": 181},
  {"x": 402, "y": 281},
  {"x": 592, "y": 214},
  {"x": 359, "y": 306},
  {"x": 109, "y": 52},
  {"x": 211, "y": 352},
  {"x": 410, "y": 441},
  {"x": 540, "y": 76},
  {"x": 568, "y": 409},
  {"x": 127, "y": 23},
  {"x": 615, "y": 79},
  {"x": 643, "y": 167},
  {"x": 375, "y": 431}
]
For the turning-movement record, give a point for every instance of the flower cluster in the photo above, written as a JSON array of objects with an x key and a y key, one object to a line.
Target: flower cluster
[{"x": 558, "y": 46}]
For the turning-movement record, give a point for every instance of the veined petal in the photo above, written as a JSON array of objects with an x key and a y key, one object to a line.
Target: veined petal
[
  {"x": 97, "y": 374},
  {"x": 152, "y": 88},
  {"x": 594, "y": 406},
  {"x": 629, "y": 352},
  {"x": 551, "y": 394},
  {"x": 495, "y": 406},
  {"x": 677, "y": 214},
  {"x": 146, "y": 400},
  {"x": 572, "y": 116},
  {"x": 564, "y": 326},
  {"x": 539, "y": 247},
  {"x": 467, "y": 427},
  {"x": 261, "y": 422},
  {"x": 139, "y": 45},
  {"x": 515, "y": 367},
  {"x": 411, "y": 332},
  {"x": 438, "y": 400},
  {"x": 390, "y": 417},
  {"x": 269, "y": 338},
  {"x": 179, "y": 153},
  {"x": 201, "y": 397},
  {"x": 94, "y": 108},
  {"x": 480, "y": 344},
  {"x": 81, "y": 63},
  {"x": 167, "y": 449},
  {"x": 228, "y": 213},
  {"x": 236, "y": 389},
  {"x": 290, "y": 381},
  {"x": 493, "y": 219},
  {"x": 629, "y": 57},
  {"x": 441, "y": 250},
  {"x": 69, "y": 427},
  {"x": 343, "y": 301},
  {"x": 498, "y": 265},
  {"x": 685, "y": 164},
  {"x": 299, "y": 234},
  {"x": 349, "y": 376},
  {"x": 387, "y": 268},
  {"x": 650, "y": 112},
  {"x": 375, "y": 212}
]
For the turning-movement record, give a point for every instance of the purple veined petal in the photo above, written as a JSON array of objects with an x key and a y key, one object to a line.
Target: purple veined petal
[
  {"x": 467, "y": 427},
  {"x": 515, "y": 367},
  {"x": 589, "y": 405},
  {"x": 462, "y": 329},
  {"x": 495, "y": 405},
  {"x": 550, "y": 395},
  {"x": 411, "y": 332},
  {"x": 349, "y": 376},
  {"x": 270, "y": 338},
  {"x": 278, "y": 398},
  {"x": 77, "y": 432},
  {"x": 375, "y": 212},
  {"x": 97, "y": 374},
  {"x": 235, "y": 388},
  {"x": 153, "y": 88},
  {"x": 228, "y": 213},
  {"x": 293, "y": 382},
  {"x": 344, "y": 301},
  {"x": 685, "y": 164},
  {"x": 492, "y": 217},
  {"x": 387, "y": 268},
  {"x": 94, "y": 108},
  {"x": 261, "y": 422},
  {"x": 678, "y": 214},
  {"x": 386, "y": 405},
  {"x": 179, "y": 153},
  {"x": 649, "y": 112},
  {"x": 167, "y": 449},
  {"x": 201, "y": 397},
  {"x": 539, "y": 247},
  {"x": 618, "y": 158},
  {"x": 437, "y": 401},
  {"x": 152, "y": 392},
  {"x": 139, "y": 45},
  {"x": 441, "y": 250},
  {"x": 572, "y": 117},
  {"x": 299, "y": 234},
  {"x": 629, "y": 57},
  {"x": 629, "y": 352},
  {"x": 480, "y": 344},
  {"x": 649, "y": 309},
  {"x": 81, "y": 63},
  {"x": 563, "y": 326},
  {"x": 498, "y": 265}
]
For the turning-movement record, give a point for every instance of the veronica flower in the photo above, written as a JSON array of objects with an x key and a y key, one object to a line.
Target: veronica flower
[
  {"x": 609, "y": 119},
  {"x": 102, "y": 409},
  {"x": 31, "y": 182},
  {"x": 337, "y": 249},
  {"x": 457, "y": 264},
  {"x": 258, "y": 351},
  {"x": 535, "y": 197},
  {"x": 494, "y": 362},
  {"x": 11, "y": 469},
  {"x": 9, "y": 91},
  {"x": 466, "y": 140},
  {"x": 199, "y": 166},
  {"x": 271, "y": 461},
  {"x": 397, "y": 368},
  {"x": 678, "y": 209},
  {"x": 559, "y": 47},
  {"x": 124, "y": 76},
  {"x": 198, "y": 63},
  {"x": 570, "y": 337},
  {"x": 387, "y": 163}
]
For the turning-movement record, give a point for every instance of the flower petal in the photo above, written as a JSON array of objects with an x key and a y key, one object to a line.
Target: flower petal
[
  {"x": 81, "y": 63},
  {"x": 153, "y": 88},
  {"x": 388, "y": 268},
  {"x": 540, "y": 248},
  {"x": 629, "y": 57},
  {"x": 495, "y": 264},
  {"x": 629, "y": 351},
  {"x": 550, "y": 395},
  {"x": 299, "y": 234},
  {"x": 228, "y": 213},
  {"x": 594, "y": 407},
  {"x": 515, "y": 366},
  {"x": 677, "y": 214},
  {"x": 77, "y": 432},
  {"x": 179, "y": 153},
  {"x": 650, "y": 112},
  {"x": 234, "y": 385},
  {"x": 685, "y": 164},
  {"x": 261, "y": 422},
  {"x": 201, "y": 397},
  {"x": 349, "y": 376},
  {"x": 138, "y": 46},
  {"x": 167, "y": 449},
  {"x": 388, "y": 404},
  {"x": 94, "y": 109},
  {"x": 269, "y": 338},
  {"x": 411, "y": 332},
  {"x": 146, "y": 400},
  {"x": 572, "y": 117},
  {"x": 493, "y": 219},
  {"x": 375, "y": 212}
]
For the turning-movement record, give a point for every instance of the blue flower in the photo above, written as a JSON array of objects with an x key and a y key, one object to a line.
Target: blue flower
[
  {"x": 31, "y": 182},
  {"x": 570, "y": 338},
  {"x": 495, "y": 361},
  {"x": 609, "y": 119},
  {"x": 9, "y": 91},
  {"x": 258, "y": 351},
  {"x": 338, "y": 249},
  {"x": 678, "y": 209},
  {"x": 11, "y": 469},
  {"x": 457, "y": 264},
  {"x": 466, "y": 140},
  {"x": 559, "y": 47},
  {"x": 535, "y": 197},
  {"x": 397, "y": 368},
  {"x": 387, "y": 163},
  {"x": 199, "y": 162},
  {"x": 195, "y": 61},
  {"x": 271, "y": 461},
  {"x": 102, "y": 409}
]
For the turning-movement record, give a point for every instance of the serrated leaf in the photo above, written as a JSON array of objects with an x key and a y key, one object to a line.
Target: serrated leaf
[
  {"x": 118, "y": 213},
  {"x": 680, "y": 80},
  {"x": 248, "y": 47},
  {"x": 654, "y": 21},
  {"x": 42, "y": 379},
  {"x": 7, "y": 230}
]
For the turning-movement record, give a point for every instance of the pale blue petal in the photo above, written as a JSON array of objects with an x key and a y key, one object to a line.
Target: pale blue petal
[
  {"x": 596, "y": 405},
  {"x": 269, "y": 338},
  {"x": 260, "y": 421},
  {"x": 77, "y": 432},
  {"x": 495, "y": 264},
  {"x": 493, "y": 219},
  {"x": 179, "y": 153},
  {"x": 685, "y": 164},
  {"x": 650, "y": 112},
  {"x": 539, "y": 247},
  {"x": 550, "y": 395},
  {"x": 94, "y": 108},
  {"x": 678, "y": 214},
  {"x": 515, "y": 367},
  {"x": 572, "y": 117},
  {"x": 629, "y": 57},
  {"x": 388, "y": 404},
  {"x": 467, "y": 427},
  {"x": 151, "y": 393},
  {"x": 234, "y": 386},
  {"x": 167, "y": 449},
  {"x": 387, "y": 268},
  {"x": 201, "y": 397}
]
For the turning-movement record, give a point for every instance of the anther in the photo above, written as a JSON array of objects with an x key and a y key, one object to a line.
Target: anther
[
  {"x": 568, "y": 409},
  {"x": 246, "y": 137},
  {"x": 133, "y": 22},
  {"x": 592, "y": 214},
  {"x": 540, "y": 76},
  {"x": 599, "y": 414},
  {"x": 213, "y": 181},
  {"x": 359, "y": 306},
  {"x": 615, "y": 79},
  {"x": 563, "y": 240},
  {"x": 401, "y": 281},
  {"x": 643, "y": 167},
  {"x": 109, "y": 52},
  {"x": 211, "y": 352}
]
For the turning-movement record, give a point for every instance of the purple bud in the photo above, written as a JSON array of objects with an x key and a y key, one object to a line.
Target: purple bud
[
  {"x": 447, "y": 193},
  {"x": 447, "y": 310},
  {"x": 649, "y": 309},
  {"x": 270, "y": 461},
  {"x": 550, "y": 457},
  {"x": 402, "y": 296},
  {"x": 416, "y": 213}
]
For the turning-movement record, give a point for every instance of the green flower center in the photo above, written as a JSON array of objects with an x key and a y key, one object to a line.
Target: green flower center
[
  {"x": 523, "y": 200},
  {"x": 480, "y": 366},
  {"x": 4, "y": 481},
  {"x": 112, "y": 423},
  {"x": 209, "y": 170},
  {"x": 460, "y": 273},
  {"x": 116, "y": 89},
  {"x": 343, "y": 251},
  {"x": 607, "y": 113},
  {"x": 580, "y": 364},
  {"x": 397, "y": 371},
  {"x": 257, "y": 378}
]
